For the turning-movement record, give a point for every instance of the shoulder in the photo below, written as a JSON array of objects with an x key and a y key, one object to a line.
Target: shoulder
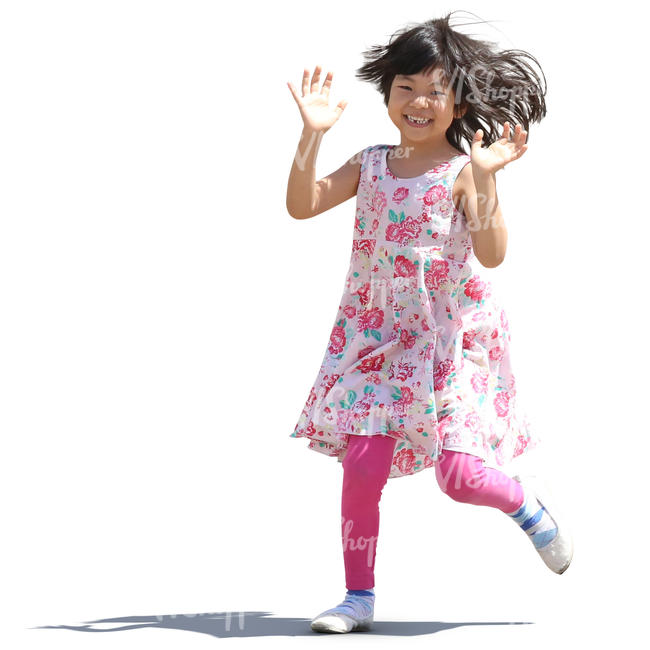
[
  {"x": 369, "y": 156},
  {"x": 464, "y": 182},
  {"x": 365, "y": 153},
  {"x": 377, "y": 149},
  {"x": 463, "y": 187}
]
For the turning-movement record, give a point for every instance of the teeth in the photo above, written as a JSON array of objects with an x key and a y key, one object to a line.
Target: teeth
[{"x": 419, "y": 120}]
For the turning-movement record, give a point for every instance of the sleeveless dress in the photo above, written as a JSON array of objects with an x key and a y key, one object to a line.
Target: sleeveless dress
[{"x": 420, "y": 346}]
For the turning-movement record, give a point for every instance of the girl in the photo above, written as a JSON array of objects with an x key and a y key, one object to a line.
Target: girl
[{"x": 417, "y": 372}]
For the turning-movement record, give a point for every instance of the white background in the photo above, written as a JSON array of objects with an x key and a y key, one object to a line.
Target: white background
[{"x": 163, "y": 317}]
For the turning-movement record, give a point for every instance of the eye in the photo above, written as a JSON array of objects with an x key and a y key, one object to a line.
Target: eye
[{"x": 435, "y": 92}]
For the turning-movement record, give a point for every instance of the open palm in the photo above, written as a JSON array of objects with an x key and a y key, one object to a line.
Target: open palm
[
  {"x": 499, "y": 153},
  {"x": 315, "y": 110}
]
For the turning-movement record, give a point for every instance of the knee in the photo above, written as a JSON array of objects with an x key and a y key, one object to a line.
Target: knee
[{"x": 460, "y": 476}]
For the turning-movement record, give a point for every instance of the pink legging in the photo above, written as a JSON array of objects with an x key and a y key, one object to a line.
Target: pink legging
[{"x": 366, "y": 466}]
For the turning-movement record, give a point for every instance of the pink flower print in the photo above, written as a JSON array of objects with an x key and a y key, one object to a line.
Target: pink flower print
[
  {"x": 345, "y": 419},
  {"x": 403, "y": 399},
  {"x": 476, "y": 289},
  {"x": 438, "y": 270},
  {"x": 473, "y": 422},
  {"x": 359, "y": 222},
  {"x": 403, "y": 232},
  {"x": 502, "y": 403},
  {"x": 312, "y": 397},
  {"x": 378, "y": 202},
  {"x": 468, "y": 339},
  {"x": 479, "y": 382},
  {"x": 372, "y": 318},
  {"x": 364, "y": 351},
  {"x": 428, "y": 352},
  {"x": 337, "y": 340},
  {"x": 328, "y": 382},
  {"x": 442, "y": 371},
  {"x": 404, "y": 268},
  {"x": 522, "y": 443},
  {"x": 364, "y": 293},
  {"x": 363, "y": 405},
  {"x": 496, "y": 353},
  {"x": 404, "y": 371},
  {"x": 400, "y": 194},
  {"x": 310, "y": 429},
  {"x": 404, "y": 460},
  {"x": 349, "y": 311},
  {"x": 375, "y": 225},
  {"x": 444, "y": 425},
  {"x": 370, "y": 364},
  {"x": 364, "y": 245},
  {"x": 435, "y": 194},
  {"x": 407, "y": 339},
  {"x": 504, "y": 320}
]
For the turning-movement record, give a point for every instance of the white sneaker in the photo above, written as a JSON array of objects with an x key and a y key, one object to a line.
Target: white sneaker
[
  {"x": 355, "y": 613},
  {"x": 557, "y": 554}
]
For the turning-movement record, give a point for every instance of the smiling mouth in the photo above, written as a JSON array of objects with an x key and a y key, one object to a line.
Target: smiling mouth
[{"x": 416, "y": 124}]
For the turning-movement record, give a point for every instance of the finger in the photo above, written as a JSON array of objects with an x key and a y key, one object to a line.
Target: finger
[
  {"x": 315, "y": 79},
  {"x": 506, "y": 130},
  {"x": 305, "y": 82},
  {"x": 327, "y": 84},
  {"x": 524, "y": 137},
  {"x": 340, "y": 107},
  {"x": 294, "y": 93}
]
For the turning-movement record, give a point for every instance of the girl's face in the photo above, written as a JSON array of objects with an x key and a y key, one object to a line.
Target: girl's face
[{"x": 426, "y": 96}]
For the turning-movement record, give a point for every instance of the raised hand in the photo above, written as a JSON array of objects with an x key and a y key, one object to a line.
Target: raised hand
[
  {"x": 499, "y": 153},
  {"x": 317, "y": 115}
]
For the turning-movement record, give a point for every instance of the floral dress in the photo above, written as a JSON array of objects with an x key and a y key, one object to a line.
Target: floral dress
[{"x": 420, "y": 346}]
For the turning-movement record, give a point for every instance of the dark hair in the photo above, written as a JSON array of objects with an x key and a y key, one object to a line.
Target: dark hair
[{"x": 491, "y": 85}]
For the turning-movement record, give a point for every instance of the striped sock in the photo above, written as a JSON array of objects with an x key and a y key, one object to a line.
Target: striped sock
[
  {"x": 533, "y": 518},
  {"x": 355, "y": 605}
]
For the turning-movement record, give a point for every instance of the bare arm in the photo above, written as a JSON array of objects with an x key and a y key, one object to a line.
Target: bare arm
[
  {"x": 478, "y": 192},
  {"x": 305, "y": 197},
  {"x": 477, "y": 196}
]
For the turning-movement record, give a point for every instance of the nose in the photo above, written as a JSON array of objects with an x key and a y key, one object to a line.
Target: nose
[{"x": 420, "y": 101}]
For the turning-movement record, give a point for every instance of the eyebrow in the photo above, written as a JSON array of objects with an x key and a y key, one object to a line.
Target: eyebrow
[{"x": 433, "y": 83}]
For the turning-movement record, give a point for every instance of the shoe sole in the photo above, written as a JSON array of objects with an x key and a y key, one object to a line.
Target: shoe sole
[{"x": 340, "y": 623}]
